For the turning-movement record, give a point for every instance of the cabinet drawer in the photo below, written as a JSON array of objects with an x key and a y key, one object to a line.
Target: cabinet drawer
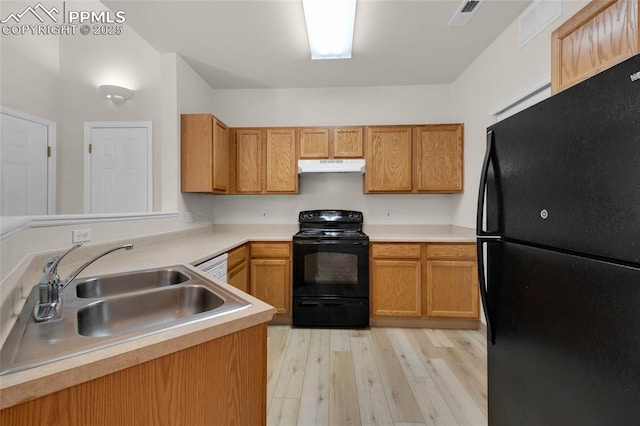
[
  {"x": 395, "y": 250},
  {"x": 237, "y": 256},
  {"x": 270, "y": 250},
  {"x": 451, "y": 251}
]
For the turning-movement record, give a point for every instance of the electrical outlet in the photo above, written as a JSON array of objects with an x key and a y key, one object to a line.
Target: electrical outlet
[
  {"x": 264, "y": 214},
  {"x": 188, "y": 217},
  {"x": 387, "y": 214},
  {"x": 81, "y": 235}
]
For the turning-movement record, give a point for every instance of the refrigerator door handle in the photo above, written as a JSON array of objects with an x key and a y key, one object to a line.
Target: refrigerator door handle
[
  {"x": 480, "y": 232},
  {"x": 484, "y": 236},
  {"x": 482, "y": 283}
]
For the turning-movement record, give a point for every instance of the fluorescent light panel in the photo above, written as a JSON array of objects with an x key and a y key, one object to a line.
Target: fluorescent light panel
[{"x": 330, "y": 27}]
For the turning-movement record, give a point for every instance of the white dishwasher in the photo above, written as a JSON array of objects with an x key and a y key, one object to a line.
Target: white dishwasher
[{"x": 216, "y": 267}]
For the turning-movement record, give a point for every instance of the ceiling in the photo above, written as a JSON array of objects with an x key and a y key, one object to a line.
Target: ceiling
[{"x": 244, "y": 44}]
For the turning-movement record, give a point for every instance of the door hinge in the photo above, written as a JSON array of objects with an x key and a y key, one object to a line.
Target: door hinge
[
  {"x": 90, "y": 148},
  {"x": 48, "y": 152}
]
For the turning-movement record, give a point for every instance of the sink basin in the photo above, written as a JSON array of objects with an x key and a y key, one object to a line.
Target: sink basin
[
  {"x": 107, "y": 310},
  {"x": 125, "y": 314},
  {"x": 110, "y": 285}
]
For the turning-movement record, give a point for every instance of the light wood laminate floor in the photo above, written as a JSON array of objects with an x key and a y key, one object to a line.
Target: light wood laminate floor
[{"x": 380, "y": 376}]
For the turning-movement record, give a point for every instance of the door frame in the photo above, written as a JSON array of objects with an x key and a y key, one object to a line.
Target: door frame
[
  {"x": 51, "y": 160},
  {"x": 88, "y": 127}
]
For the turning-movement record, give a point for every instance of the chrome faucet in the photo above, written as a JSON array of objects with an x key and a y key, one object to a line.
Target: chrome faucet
[{"x": 50, "y": 286}]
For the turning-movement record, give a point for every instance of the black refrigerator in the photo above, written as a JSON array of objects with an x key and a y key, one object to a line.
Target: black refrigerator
[{"x": 558, "y": 229}]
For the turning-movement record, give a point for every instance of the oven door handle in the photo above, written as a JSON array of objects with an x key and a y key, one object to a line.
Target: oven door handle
[
  {"x": 330, "y": 303},
  {"x": 320, "y": 242}
]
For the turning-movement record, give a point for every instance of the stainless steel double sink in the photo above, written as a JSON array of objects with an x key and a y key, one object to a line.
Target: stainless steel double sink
[{"x": 106, "y": 310}]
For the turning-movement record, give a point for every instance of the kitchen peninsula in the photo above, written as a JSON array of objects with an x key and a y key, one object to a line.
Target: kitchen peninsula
[{"x": 242, "y": 334}]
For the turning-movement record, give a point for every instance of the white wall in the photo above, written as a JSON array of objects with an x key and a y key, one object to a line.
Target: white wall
[
  {"x": 333, "y": 107},
  {"x": 501, "y": 72},
  {"x": 194, "y": 96},
  {"x": 29, "y": 74},
  {"x": 86, "y": 63},
  {"x": 334, "y": 191},
  {"x": 57, "y": 77}
]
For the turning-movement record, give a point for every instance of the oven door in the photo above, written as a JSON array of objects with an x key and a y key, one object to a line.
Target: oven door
[{"x": 330, "y": 268}]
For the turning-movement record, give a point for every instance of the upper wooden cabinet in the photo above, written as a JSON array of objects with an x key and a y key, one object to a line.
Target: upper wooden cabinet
[
  {"x": 204, "y": 154},
  {"x": 248, "y": 153},
  {"x": 439, "y": 158},
  {"x": 320, "y": 143},
  {"x": 599, "y": 36},
  {"x": 281, "y": 162},
  {"x": 388, "y": 159},
  {"x": 314, "y": 143},
  {"x": 264, "y": 161},
  {"x": 414, "y": 158},
  {"x": 348, "y": 142}
]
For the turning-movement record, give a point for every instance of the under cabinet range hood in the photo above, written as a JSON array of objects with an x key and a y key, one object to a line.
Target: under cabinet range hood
[{"x": 354, "y": 165}]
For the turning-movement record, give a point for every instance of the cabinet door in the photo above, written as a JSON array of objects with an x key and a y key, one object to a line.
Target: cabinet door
[
  {"x": 204, "y": 154},
  {"x": 270, "y": 282},
  {"x": 220, "y": 173},
  {"x": 396, "y": 288},
  {"x": 439, "y": 158},
  {"x": 314, "y": 143},
  {"x": 281, "y": 161},
  {"x": 388, "y": 155},
  {"x": 348, "y": 142},
  {"x": 599, "y": 36},
  {"x": 452, "y": 289},
  {"x": 249, "y": 154},
  {"x": 195, "y": 152},
  {"x": 239, "y": 277}
]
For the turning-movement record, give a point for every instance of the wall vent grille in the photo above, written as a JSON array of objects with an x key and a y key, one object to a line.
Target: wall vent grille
[
  {"x": 469, "y": 6},
  {"x": 464, "y": 13}
]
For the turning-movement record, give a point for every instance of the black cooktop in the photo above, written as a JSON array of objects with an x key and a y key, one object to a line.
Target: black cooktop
[{"x": 330, "y": 224}]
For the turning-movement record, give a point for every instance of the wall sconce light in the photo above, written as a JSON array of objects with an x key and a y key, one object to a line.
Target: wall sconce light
[
  {"x": 116, "y": 94},
  {"x": 330, "y": 27}
]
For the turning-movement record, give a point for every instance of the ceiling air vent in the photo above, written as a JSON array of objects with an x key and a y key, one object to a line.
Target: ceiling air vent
[{"x": 464, "y": 13}]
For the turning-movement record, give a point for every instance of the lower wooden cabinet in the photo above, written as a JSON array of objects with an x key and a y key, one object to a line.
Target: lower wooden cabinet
[
  {"x": 271, "y": 274},
  {"x": 222, "y": 382},
  {"x": 396, "y": 280},
  {"x": 452, "y": 281},
  {"x": 424, "y": 280},
  {"x": 238, "y": 269}
]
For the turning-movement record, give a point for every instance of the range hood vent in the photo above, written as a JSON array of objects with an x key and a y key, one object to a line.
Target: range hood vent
[{"x": 331, "y": 166}]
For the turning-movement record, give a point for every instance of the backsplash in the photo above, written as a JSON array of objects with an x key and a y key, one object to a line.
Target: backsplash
[{"x": 333, "y": 191}]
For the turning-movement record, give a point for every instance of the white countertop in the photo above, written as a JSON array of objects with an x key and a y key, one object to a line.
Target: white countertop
[{"x": 190, "y": 248}]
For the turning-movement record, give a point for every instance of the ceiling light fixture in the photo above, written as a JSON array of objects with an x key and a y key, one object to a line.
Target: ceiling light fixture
[
  {"x": 116, "y": 94},
  {"x": 330, "y": 27}
]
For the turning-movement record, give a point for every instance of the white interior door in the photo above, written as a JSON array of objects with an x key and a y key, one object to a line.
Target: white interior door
[
  {"x": 24, "y": 159},
  {"x": 119, "y": 175}
]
